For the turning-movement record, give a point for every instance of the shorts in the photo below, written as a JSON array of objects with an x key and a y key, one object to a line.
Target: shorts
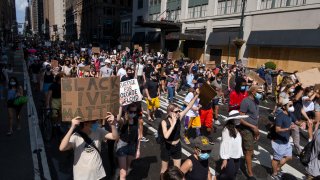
[
  {"x": 169, "y": 150},
  {"x": 55, "y": 104},
  {"x": 281, "y": 150},
  {"x": 206, "y": 117},
  {"x": 154, "y": 103},
  {"x": 126, "y": 149},
  {"x": 194, "y": 122},
  {"x": 247, "y": 139},
  {"x": 46, "y": 87}
]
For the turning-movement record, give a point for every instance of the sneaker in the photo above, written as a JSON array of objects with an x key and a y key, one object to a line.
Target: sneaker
[
  {"x": 9, "y": 133},
  {"x": 217, "y": 122},
  {"x": 144, "y": 139},
  {"x": 186, "y": 140},
  {"x": 275, "y": 177}
]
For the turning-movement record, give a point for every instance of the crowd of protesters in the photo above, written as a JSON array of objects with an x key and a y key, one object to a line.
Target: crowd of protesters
[{"x": 297, "y": 107}]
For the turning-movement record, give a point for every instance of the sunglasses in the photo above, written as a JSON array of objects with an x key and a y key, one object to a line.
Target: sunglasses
[
  {"x": 205, "y": 151},
  {"x": 132, "y": 111},
  {"x": 177, "y": 111}
]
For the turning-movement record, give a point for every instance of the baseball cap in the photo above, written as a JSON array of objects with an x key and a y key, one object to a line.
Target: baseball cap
[
  {"x": 285, "y": 101},
  {"x": 202, "y": 143}
]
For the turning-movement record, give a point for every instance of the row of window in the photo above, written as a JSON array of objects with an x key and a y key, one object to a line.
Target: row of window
[
  {"x": 270, "y": 4},
  {"x": 197, "y": 11},
  {"x": 126, "y": 27},
  {"x": 121, "y": 2}
]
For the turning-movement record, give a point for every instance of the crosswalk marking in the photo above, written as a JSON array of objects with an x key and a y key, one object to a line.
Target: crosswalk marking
[{"x": 263, "y": 156}]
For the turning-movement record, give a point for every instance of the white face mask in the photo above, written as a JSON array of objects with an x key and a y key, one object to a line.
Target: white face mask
[{"x": 291, "y": 109}]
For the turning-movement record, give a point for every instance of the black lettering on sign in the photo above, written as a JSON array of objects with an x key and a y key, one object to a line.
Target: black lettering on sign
[
  {"x": 92, "y": 101},
  {"x": 92, "y": 82},
  {"x": 90, "y": 109},
  {"x": 67, "y": 113},
  {"x": 64, "y": 99},
  {"x": 80, "y": 95},
  {"x": 104, "y": 96},
  {"x": 77, "y": 86},
  {"x": 66, "y": 84},
  {"x": 115, "y": 82},
  {"x": 102, "y": 84},
  {"x": 100, "y": 110},
  {"x": 78, "y": 113}
]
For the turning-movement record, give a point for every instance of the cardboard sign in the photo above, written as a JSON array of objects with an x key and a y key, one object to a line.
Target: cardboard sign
[
  {"x": 207, "y": 93},
  {"x": 254, "y": 76},
  {"x": 130, "y": 91},
  {"x": 317, "y": 87},
  {"x": 83, "y": 49},
  {"x": 309, "y": 77},
  {"x": 140, "y": 49},
  {"x": 136, "y": 46},
  {"x": 85, "y": 68},
  {"x": 170, "y": 55},
  {"x": 89, "y": 98},
  {"x": 96, "y": 50},
  {"x": 127, "y": 49},
  {"x": 54, "y": 63}
]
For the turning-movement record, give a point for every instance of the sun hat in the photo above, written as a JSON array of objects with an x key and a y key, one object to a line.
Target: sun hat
[{"x": 235, "y": 115}]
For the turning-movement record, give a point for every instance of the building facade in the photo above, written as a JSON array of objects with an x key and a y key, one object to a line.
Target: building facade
[
  {"x": 283, "y": 31},
  {"x": 8, "y": 24},
  {"x": 36, "y": 16},
  {"x": 95, "y": 21},
  {"x": 49, "y": 19}
]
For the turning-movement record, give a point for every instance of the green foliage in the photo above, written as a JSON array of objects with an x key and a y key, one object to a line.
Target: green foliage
[{"x": 270, "y": 65}]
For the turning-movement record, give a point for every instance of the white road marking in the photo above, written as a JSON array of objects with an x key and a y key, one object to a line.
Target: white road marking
[{"x": 262, "y": 154}]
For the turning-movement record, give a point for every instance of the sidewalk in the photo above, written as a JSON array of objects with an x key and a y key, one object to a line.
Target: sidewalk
[{"x": 15, "y": 151}]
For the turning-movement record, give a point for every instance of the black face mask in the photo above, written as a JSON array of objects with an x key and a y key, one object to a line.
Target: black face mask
[
  {"x": 131, "y": 75},
  {"x": 48, "y": 69}
]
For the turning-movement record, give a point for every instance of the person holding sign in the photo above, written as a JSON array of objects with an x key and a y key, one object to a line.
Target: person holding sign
[
  {"x": 85, "y": 138},
  {"x": 128, "y": 146},
  {"x": 170, "y": 145}
]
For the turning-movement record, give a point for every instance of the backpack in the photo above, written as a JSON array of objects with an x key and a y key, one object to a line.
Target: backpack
[
  {"x": 159, "y": 135},
  {"x": 305, "y": 154},
  {"x": 271, "y": 131}
]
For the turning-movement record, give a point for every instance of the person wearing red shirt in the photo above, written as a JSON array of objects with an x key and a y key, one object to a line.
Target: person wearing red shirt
[{"x": 238, "y": 94}]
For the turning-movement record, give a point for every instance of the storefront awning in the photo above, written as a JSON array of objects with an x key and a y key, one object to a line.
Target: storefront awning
[
  {"x": 138, "y": 37},
  {"x": 221, "y": 38},
  {"x": 185, "y": 36},
  {"x": 153, "y": 37},
  {"x": 167, "y": 25},
  {"x": 291, "y": 38}
]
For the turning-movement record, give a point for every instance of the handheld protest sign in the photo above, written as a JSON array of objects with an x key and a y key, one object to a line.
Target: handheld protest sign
[
  {"x": 89, "y": 98},
  {"x": 136, "y": 46},
  {"x": 207, "y": 93},
  {"x": 130, "y": 91},
  {"x": 309, "y": 77},
  {"x": 85, "y": 68},
  {"x": 54, "y": 63},
  {"x": 96, "y": 50},
  {"x": 317, "y": 87},
  {"x": 253, "y": 75},
  {"x": 127, "y": 49}
]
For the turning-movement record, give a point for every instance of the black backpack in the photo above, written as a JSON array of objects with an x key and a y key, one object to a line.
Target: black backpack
[
  {"x": 159, "y": 135},
  {"x": 271, "y": 131},
  {"x": 305, "y": 154}
]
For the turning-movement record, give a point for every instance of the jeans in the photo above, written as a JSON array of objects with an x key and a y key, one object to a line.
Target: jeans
[{"x": 171, "y": 93}]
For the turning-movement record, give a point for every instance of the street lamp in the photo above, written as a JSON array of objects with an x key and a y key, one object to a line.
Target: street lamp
[{"x": 239, "y": 40}]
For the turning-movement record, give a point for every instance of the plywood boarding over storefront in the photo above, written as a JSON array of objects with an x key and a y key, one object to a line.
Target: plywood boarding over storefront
[
  {"x": 288, "y": 59},
  {"x": 196, "y": 54},
  {"x": 224, "y": 56}
]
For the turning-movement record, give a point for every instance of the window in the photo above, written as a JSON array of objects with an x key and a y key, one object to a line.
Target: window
[
  {"x": 270, "y": 4},
  {"x": 229, "y": 6},
  {"x": 197, "y": 11},
  {"x": 140, "y": 4}
]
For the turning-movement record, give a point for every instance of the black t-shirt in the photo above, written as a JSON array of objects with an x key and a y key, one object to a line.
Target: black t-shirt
[
  {"x": 152, "y": 87},
  {"x": 125, "y": 78},
  {"x": 148, "y": 70},
  {"x": 56, "y": 90}
]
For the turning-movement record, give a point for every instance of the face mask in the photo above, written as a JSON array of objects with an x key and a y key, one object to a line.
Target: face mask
[
  {"x": 204, "y": 156},
  {"x": 201, "y": 72},
  {"x": 130, "y": 75},
  {"x": 291, "y": 90},
  {"x": 48, "y": 69},
  {"x": 13, "y": 83},
  {"x": 243, "y": 88},
  {"x": 247, "y": 88},
  {"x": 258, "y": 96},
  {"x": 291, "y": 109},
  {"x": 171, "y": 72},
  {"x": 94, "y": 127},
  {"x": 218, "y": 80}
]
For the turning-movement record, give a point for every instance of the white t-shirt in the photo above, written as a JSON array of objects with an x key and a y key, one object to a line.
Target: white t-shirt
[
  {"x": 67, "y": 70},
  {"x": 140, "y": 69},
  {"x": 230, "y": 147},
  {"x": 188, "y": 98},
  {"x": 121, "y": 72},
  {"x": 87, "y": 163}
]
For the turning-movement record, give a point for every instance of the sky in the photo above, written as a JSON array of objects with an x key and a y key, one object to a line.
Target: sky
[{"x": 20, "y": 8}]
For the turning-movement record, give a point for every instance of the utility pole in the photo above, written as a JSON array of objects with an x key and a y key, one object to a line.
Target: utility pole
[{"x": 240, "y": 34}]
